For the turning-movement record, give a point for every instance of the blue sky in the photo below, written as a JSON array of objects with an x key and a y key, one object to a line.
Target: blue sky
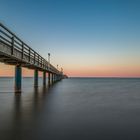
[{"x": 82, "y": 33}]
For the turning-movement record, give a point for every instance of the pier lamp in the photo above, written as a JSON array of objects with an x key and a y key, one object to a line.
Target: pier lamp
[
  {"x": 49, "y": 57},
  {"x": 49, "y": 60}
]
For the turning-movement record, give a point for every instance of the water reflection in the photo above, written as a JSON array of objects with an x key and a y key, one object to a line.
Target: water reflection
[
  {"x": 21, "y": 119},
  {"x": 73, "y": 109}
]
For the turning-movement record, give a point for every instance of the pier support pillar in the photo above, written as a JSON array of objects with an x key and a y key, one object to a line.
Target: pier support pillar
[
  {"x": 56, "y": 77},
  {"x": 52, "y": 78},
  {"x": 18, "y": 77},
  {"x": 35, "y": 78},
  {"x": 49, "y": 78},
  {"x": 44, "y": 78}
]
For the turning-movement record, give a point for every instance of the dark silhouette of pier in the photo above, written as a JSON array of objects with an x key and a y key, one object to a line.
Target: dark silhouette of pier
[{"x": 14, "y": 51}]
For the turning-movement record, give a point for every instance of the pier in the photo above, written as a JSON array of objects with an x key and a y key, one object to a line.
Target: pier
[{"x": 13, "y": 51}]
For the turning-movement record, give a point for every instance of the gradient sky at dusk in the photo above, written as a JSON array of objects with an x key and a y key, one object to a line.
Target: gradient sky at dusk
[{"x": 85, "y": 37}]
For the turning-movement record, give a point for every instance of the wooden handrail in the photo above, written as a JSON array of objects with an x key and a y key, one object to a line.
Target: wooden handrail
[{"x": 17, "y": 44}]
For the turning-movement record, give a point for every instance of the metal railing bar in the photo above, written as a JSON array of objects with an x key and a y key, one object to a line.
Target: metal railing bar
[
  {"x": 16, "y": 47},
  {"x": 1, "y": 37},
  {"x": 5, "y": 34}
]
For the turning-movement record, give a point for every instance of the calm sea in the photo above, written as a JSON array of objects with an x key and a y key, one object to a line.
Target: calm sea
[{"x": 73, "y": 109}]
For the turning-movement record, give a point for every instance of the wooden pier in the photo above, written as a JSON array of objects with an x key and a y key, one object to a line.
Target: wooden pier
[{"x": 14, "y": 51}]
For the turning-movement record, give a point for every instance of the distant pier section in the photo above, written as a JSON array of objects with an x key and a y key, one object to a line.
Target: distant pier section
[{"x": 14, "y": 51}]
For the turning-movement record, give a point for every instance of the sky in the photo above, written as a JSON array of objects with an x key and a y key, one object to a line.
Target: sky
[{"x": 87, "y": 38}]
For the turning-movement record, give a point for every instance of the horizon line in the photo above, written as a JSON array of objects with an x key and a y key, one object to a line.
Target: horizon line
[{"x": 79, "y": 77}]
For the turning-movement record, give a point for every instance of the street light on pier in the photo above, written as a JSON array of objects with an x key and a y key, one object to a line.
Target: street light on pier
[
  {"x": 49, "y": 57},
  {"x": 49, "y": 60}
]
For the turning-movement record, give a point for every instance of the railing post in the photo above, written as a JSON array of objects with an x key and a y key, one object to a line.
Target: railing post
[
  {"x": 41, "y": 62},
  {"x": 12, "y": 47},
  {"x": 44, "y": 64},
  {"x": 22, "y": 50},
  {"x": 34, "y": 57},
  {"x": 29, "y": 54},
  {"x": 18, "y": 77},
  {"x": 38, "y": 60}
]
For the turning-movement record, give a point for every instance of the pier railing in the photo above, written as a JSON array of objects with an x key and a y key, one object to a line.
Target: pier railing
[{"x": 13, "y": 46}]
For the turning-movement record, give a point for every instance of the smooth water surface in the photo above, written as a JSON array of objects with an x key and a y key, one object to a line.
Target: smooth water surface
[{"x": 72, "y": 109}]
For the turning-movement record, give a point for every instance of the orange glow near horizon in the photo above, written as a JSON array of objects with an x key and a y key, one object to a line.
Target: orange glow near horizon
[
  {"x": 99, "y": 71},
  {"x": 8, "y": 71},
  {"x": 104, "y": 71}
]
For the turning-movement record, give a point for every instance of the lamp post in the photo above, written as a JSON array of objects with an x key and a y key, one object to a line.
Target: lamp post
[
  {"x": 49, "y": 57},
  {"x": 49, "y": 60}
]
